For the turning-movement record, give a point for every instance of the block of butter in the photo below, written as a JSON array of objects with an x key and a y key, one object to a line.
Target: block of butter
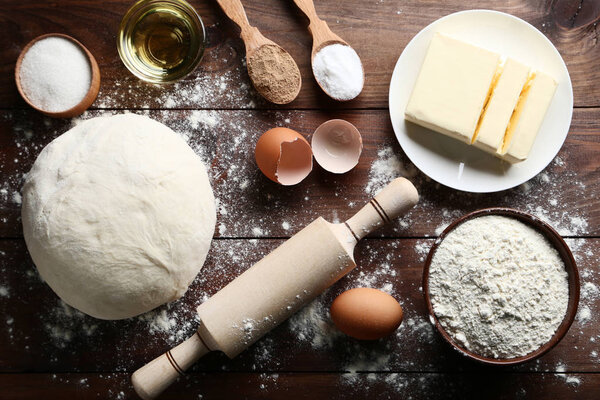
[
  {"x": 527, "y": 117},
  {"x": 452, "y": 87},
  {"x": 465, "y": 92},
  {"x": 489, "y": 135}
]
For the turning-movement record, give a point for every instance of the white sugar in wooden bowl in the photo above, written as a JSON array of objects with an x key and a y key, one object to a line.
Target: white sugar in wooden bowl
[{"x": 57, "y": 75}]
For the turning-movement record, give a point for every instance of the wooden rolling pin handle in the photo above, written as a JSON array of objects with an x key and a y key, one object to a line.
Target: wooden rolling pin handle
[
  {"x": 392, "y": 201},
  {"x": 153, "y": 378}
]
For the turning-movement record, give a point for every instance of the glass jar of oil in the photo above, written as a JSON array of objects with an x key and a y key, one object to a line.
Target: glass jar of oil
[{"x": 161, "y": 40}]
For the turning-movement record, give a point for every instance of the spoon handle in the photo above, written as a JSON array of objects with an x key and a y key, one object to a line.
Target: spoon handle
[
  {"x": 317, "y": 27},
  {"x": 235, "y": 11},
  {"x": 308, "y": 8}
]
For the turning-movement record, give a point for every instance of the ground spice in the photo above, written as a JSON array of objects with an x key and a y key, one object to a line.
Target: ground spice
[{"x": 274, "y": 74}]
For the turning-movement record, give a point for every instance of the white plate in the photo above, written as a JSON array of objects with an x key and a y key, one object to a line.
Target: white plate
[{"x": 459, "y": 165}]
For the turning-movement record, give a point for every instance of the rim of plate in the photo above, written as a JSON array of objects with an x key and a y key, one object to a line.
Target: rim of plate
[{"x": 534, "y": 171}]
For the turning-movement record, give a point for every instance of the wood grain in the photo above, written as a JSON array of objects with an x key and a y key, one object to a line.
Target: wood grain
[
  {"x": 378, "y": 30},
  {"x": 43, "y": 335},
  {"x": 294, "y": 386},
  {"x": 561, "y": 194},
  {"x": 51, "y": 351}
]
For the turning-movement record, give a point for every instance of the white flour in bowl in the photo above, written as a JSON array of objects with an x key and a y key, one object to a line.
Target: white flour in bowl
[{"x": 498, "y": 287}]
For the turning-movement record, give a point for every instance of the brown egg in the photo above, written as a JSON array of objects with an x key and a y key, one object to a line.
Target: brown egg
[
  {"x": 284, "y": 156},
  {"x": 366, "y": 314}
]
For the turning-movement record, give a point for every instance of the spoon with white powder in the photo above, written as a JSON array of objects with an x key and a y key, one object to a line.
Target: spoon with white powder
[{"x": 336, "y": 66}]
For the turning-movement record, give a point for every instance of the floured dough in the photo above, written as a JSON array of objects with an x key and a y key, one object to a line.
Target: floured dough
[{"x": 118, "y": 215}]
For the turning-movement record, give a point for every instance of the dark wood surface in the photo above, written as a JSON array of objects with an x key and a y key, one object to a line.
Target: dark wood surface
[{"x": 49, "y": 350}]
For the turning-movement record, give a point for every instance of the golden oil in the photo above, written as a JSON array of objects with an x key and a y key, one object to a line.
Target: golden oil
[{"x": 161, "y": 40}]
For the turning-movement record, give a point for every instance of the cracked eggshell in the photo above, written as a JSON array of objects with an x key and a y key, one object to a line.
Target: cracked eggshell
[
  {"x": 284, "y": 156},
  {"x": 337, "y": 146}
]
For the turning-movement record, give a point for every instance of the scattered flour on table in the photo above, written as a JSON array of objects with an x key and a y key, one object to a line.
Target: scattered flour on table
[
  {"x": 16, "y": 198},
  {"x": 64, "y": 323},
  {"x": 438, "y": 231},
  {"x": 159, "y": 321},
  {"x": 498, "y": 287},
  {"x": 561, "y": 211},
  {"x": 584, "y": 314},
  {"x": 229, "y": 89},
  {"x": 385, "y": 168},
  {"x": 573, "y": 380},
  {"x": 543, "y": 196},
  {"x": 447, "y": 216},
  {"x": 312, "y": 325},
  {"x": 569, "y": 379},
  {"x": 590, "y": 290},
  {"x": 9, "y": 192},
  {"x": 588, "y": 261},
  {"x": 422, "y": 248},
  {"x": 208, "y": 119}
]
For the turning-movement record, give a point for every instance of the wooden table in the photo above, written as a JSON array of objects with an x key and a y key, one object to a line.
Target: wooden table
[{"x": 51, "y": 351}]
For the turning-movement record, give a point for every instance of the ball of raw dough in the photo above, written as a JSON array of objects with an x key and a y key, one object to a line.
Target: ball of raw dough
[{"x": 118, "y": 215}]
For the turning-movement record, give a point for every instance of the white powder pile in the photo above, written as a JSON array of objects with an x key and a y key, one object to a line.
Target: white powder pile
[
  {"x": 498, "y": 287},
  {"x": 211, "y": 89},
  {"x": 64, "y": 323},
  {"x": 55, "y": 74},
  {"x": 313, "y": 324},
  {"x": 339, "y": 71},
  {"x": 386, "y": 168}
]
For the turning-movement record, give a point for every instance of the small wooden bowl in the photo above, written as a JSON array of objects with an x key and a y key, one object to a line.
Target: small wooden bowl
[
  {"x": 563, "y": 250},
  {"x": 89, "y": 97}
]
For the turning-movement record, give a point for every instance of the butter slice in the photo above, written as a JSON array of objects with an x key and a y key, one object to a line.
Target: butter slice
[
  {"x": 503, "y": 100},
  {"x": 528, "y": 117},
  {"x": 452, "y": 87}
]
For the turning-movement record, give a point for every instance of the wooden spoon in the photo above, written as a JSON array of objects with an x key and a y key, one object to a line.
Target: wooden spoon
[
  {"x": 89, "y": 97},
  {"x": 322, "y": 35},
  {"x": 279, "y": 91}
]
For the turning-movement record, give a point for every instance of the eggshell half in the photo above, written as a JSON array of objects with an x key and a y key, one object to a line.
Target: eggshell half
[
  {"x": 337, "y": 146},
  {"x": 366, "y": 314},
  {"x": 284, "y": 156}
]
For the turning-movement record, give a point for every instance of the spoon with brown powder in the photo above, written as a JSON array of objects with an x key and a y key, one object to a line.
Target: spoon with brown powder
[{"x": 272, "y": 70}]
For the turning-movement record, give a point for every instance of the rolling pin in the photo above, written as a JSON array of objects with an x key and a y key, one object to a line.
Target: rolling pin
[{"x": 276, "y": 287}]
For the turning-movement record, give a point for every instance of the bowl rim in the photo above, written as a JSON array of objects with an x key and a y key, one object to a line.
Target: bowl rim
[
  {"x": 141, "y": 6},
  {"x": 89, "y": 97},
  {"x": 566, "y": 256}
]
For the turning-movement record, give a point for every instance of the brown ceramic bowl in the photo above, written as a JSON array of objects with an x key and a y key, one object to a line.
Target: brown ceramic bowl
[
  {"x": 563, "y": 250},
  {"x": 89, "y": 97}
]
